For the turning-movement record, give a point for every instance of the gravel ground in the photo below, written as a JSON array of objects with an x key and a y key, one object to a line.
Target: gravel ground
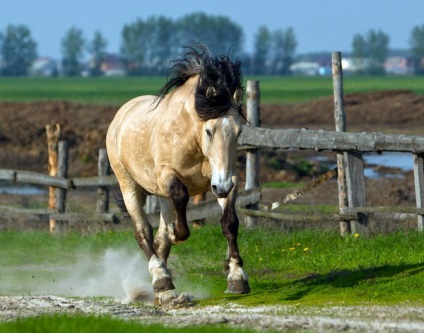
[{"x": 278, "y": 318}]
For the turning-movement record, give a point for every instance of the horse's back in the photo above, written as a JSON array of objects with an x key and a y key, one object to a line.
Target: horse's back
[
  {"x": 134, "y": 120},
  {"x": 133, "y": 108}
]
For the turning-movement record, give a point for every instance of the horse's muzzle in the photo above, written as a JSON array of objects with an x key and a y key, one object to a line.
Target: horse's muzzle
[{"x": 222, "y": 191}]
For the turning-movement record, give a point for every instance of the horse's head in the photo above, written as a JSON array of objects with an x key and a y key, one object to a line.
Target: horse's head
[
  {"x": 219, "y": 145},
  {"x": 218, "y": 96}
]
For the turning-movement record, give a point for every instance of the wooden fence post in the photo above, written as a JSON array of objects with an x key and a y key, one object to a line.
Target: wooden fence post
[
  {"x": 252, "y": 155},
  {"x": 350, "y": 168},
  {"x": 53, "y": 135},
  {"x": 356, "y": 192},
  {"x": 63, "y": 153},
  {"x": 103, "y": 191},
  {"x": 340, "y": 120},
  {"x": 419, "y": 186}
]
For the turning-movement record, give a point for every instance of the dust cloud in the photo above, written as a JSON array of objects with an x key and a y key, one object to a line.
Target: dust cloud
[{"x": 118, "y": 273}]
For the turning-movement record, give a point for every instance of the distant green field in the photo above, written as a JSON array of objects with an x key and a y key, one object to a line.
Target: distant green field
[{"x": 116, "y": 91}]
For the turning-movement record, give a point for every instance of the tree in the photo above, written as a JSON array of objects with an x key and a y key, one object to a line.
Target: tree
[
  {"x": 262, "y": 50},
  {"x": 378, "y": 48},
  {"x": 161, "y": 44},
  {"x": 97, "y": 50},
  {"x": 18, "y": 50},
  {"x": 370, "y": 52},
  {"x": 359, "y": 53},
  {"x": 149, "y": 45},
  {"x": 416, "y": 43},
  {"x": 283, "y": 50},
  {"x": 72, "y": 51},
  {"x": 134, "y": 44},
  {"x": 218, "y": 33}
]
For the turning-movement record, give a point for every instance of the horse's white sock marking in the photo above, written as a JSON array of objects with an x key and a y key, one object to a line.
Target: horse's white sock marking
[
  {"x": 156, "y": 269},
  {"x": 236, "y": 272}
]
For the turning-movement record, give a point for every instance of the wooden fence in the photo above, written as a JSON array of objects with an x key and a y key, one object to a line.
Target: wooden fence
[
  {"x": 349, "y": 147},
  {"x": 62, "y": 184}
]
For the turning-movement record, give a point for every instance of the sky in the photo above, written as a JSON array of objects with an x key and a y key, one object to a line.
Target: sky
[{"x": 319, "y": 25}]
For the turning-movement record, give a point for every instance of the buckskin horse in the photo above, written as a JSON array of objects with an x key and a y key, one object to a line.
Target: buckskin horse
[{"x": 176, "y": 145}]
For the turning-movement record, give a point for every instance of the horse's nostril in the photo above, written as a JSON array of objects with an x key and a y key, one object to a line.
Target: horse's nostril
[{"x": 214, "y": 188}]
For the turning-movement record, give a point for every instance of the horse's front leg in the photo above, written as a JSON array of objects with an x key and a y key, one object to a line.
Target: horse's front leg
[
  {"x": 237, "y": 280},
  {"x": 134, "y": 200},
  {"x": 173, "y": 229},
  {"x": 175, "y": 214}
]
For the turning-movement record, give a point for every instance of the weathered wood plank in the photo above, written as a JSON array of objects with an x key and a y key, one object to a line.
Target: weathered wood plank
[
  {"x": 319, "y": 140},
  {"x": 41, "y": 179},
  {"x": 297, "y": 217},
  {"x": 340, "y": 122},
  {"x": 252, "y": 155},
  {"x": 9, "y": 175},
  {"x": 211, "y": 208},
  {"x": 20, "y": 210},
  {"x": 308, "y": 187},
  {"x": 56, "y": 227},
  {"x": 388, "y": 209},
  {"x": 419, "y": 187},
  {"x": 102, "y": 206},
  {"x": 65, "y": 217},
  {"x": 109, "y": 180},
  {"x": 356, "y": 191}
]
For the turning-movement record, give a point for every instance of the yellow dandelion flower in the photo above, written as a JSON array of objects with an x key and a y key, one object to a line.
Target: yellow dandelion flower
[
  {"x": 356, "y": 235},
  {"x": 306, "y": 249},
  {"x": 292, "y": 248},
  {"x": 298, "y": 244}
]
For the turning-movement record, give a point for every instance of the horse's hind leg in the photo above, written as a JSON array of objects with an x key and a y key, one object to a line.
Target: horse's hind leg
[{"x": 237, "y": 281}]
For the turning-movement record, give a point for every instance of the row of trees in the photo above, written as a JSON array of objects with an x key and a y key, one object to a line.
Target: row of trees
[{"x": 148, "y": 46}]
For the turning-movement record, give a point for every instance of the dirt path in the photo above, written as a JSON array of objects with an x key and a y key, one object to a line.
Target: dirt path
[{"x": 279, "y": 318}]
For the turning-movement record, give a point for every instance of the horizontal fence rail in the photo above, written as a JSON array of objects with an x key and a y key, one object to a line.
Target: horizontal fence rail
[
  {"x": 320, "y": 140},
  {"x": 36, "y": 178}
]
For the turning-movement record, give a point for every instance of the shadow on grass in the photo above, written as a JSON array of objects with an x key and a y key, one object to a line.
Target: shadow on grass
[{"x": 352, "y": 278}]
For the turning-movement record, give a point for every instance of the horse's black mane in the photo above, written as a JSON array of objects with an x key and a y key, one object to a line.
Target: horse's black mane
[{"x": 218, "y": 72}]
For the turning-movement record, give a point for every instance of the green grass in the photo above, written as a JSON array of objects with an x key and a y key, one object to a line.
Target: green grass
[
  {"x": 92, "y": 324},
  {"x": 116, "y": 91},
  {"x": 317, "y": 268},
  {"x": 307, "y": 267},
  {"x": 87, "y": 90}
]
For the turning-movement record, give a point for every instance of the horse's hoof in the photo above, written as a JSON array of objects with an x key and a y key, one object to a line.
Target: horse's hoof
[
  {"x": 238, "y": 287},
  {"x": 163, "y": 284},
  {"x": 171, "y": 299}
]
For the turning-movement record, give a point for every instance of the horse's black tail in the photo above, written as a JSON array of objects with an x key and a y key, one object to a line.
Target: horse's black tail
[{"x": 119, "y": 200}]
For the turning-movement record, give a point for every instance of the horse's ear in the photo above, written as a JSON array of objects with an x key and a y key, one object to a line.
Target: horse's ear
[
  {"x": 238, "y": 96},
  {"x": 210, "y": 92}
]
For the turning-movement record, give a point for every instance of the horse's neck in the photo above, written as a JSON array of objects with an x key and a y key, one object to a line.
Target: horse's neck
[
  {"x": 185, "y": 93},
  {"x": 183, "y": 98}
]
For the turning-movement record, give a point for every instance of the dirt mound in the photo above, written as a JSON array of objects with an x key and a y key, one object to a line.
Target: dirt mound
[
  {"x": 23, "y": 139},
  {"x": 398, "y": 111},
  {"x": 23, "y": 142}
]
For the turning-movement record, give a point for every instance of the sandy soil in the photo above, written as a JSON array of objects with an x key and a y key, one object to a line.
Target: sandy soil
[{"x": 277, "y": 318}]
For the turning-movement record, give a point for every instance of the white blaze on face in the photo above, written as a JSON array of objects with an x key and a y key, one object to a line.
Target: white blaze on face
[{"x": 221, "y": 142}]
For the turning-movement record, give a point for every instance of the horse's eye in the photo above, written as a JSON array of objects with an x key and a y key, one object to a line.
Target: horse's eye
[{"x": 209, "y": 133}]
